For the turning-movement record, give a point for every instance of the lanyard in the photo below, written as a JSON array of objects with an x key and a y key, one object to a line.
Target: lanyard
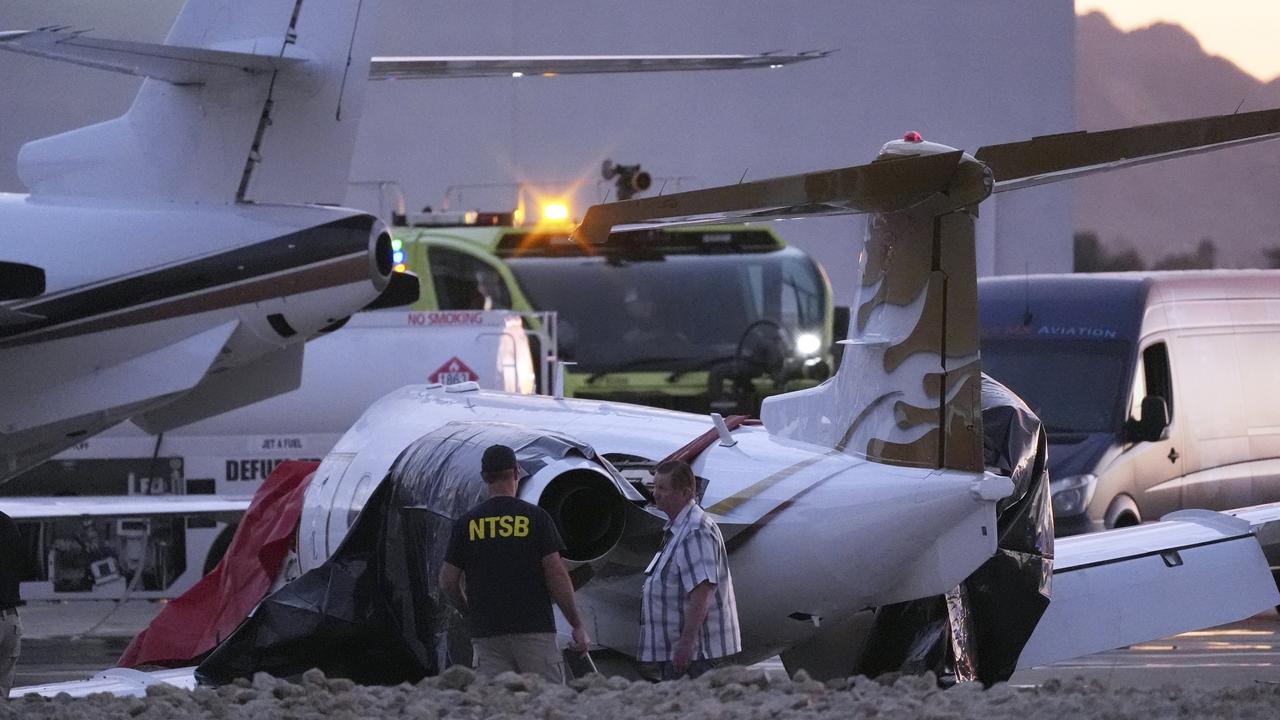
[{"x": 666, "y": 537}]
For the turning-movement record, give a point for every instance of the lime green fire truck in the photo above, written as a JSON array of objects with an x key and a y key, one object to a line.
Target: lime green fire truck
[{"x": 702, "y": 319}]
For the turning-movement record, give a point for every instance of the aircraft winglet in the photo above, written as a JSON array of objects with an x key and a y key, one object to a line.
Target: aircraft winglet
[{"x": 170, "y": 63}]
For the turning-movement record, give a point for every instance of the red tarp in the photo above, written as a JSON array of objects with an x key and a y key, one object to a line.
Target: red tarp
[{"x": 196, "y": 622}]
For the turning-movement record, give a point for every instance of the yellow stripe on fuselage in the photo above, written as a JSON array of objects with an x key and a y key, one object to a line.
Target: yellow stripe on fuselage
[{"x": 736, "y": 500}]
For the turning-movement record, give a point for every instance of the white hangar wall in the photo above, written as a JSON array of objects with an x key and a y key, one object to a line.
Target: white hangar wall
[{"x": 966, "y": 74}]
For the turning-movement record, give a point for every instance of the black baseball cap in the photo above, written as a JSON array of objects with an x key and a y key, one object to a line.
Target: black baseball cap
[{"x": 498, "y": 458}]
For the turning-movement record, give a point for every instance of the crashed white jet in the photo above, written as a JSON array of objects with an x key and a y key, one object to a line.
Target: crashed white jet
[{"x": 866, "y": 491}]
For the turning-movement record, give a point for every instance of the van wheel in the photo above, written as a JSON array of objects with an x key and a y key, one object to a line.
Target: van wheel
[
  {"x": 219, "y": 547},
  {"x": 1126, "y": 520}
]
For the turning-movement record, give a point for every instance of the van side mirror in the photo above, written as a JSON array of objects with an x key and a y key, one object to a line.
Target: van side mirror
[{"x": 1154, "y": 423}]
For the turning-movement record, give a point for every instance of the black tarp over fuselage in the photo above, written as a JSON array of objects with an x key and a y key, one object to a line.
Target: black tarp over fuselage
[{"x": 373, "y": 611}]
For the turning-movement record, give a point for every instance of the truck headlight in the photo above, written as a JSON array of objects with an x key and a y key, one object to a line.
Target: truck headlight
[
  {"x": 1071, "y": 494},
  {"x": 808, "y": 343}
]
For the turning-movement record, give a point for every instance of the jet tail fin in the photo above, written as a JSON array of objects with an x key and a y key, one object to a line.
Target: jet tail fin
[
  {"x": 246, "y": 100},
  {"x": 908, "y": 391}
]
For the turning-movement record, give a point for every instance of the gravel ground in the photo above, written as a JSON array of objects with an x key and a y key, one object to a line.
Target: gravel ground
[{"x": 725, "y": 693}]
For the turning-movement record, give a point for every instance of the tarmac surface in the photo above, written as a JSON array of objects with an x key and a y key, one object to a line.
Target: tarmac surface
[{"x": 73, "y": 640}]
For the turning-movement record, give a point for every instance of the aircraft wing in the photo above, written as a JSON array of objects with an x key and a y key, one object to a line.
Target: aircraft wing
[
  {"x": 1060, "y": 157},
  {"x": 122, "y": 506},
  {"x": 189, "y": 66},
  {"x": 172, "y": 369},
  {"x": 885, "y": 186},
  {"x": 890, "y": 185},
  {"x": 431, "y": 68},
  {"x": 1194, "y": 569},
  {"x": 171, "y": 63}
]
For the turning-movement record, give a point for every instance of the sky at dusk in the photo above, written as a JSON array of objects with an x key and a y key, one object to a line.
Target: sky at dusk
[{"x": 1243, "y": 31}]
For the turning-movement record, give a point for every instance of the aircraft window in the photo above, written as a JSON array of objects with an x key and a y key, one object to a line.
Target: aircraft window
[
  {"x": 1139, "y": 391},
  {"x": 465, "y": 282},
  {"x": 1155, "y": 371}
]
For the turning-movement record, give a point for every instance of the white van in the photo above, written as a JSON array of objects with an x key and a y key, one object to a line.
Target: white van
[{"x": 1159, "y": 391}]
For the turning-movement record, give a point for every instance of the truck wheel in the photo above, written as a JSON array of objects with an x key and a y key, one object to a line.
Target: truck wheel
[{"x": 219, "y": 547}]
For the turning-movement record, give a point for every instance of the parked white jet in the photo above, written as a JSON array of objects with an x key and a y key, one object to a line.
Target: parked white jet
[
  {"x": 212, "y": 251},
  {"x": 195, "y": 285}
]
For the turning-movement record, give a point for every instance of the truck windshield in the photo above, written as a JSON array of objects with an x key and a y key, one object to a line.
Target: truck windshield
[
  {"x": 678, "y": 313},
  {"x": 1075, "y": 386}
]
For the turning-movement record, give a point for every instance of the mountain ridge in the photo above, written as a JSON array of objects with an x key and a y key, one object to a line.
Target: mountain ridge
[{"x": 1159, "y": 73}]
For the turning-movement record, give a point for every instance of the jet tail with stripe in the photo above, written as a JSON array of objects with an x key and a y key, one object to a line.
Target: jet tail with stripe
[{"x": 908, "y": 389}]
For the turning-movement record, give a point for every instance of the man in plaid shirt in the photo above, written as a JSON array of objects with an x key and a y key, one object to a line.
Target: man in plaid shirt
[{"x": 689, "y": 619}]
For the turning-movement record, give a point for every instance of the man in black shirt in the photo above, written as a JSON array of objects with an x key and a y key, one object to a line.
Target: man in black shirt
[
  {"x": 10, "y": 625},
  {"x": 508, "y": 551}
]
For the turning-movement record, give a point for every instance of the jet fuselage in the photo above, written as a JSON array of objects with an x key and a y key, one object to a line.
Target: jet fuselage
[{"x": 814, "y": 534}]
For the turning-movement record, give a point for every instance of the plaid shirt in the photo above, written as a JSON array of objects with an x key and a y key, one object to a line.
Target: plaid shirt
[{"x": 694, "y": 553}]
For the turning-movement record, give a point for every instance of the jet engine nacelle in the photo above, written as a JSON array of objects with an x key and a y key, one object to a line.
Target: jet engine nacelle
[
  {"x": 293, "y": 317},
  {"x": 588, "y": 508}
]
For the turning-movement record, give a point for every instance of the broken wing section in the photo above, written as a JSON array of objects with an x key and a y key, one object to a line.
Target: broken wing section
[{"x": 1193, "y": 570}]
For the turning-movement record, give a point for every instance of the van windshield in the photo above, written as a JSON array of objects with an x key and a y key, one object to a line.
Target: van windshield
[
  {"x": 1075, "y": 386},
  {"x": 678, "y": 313}
]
